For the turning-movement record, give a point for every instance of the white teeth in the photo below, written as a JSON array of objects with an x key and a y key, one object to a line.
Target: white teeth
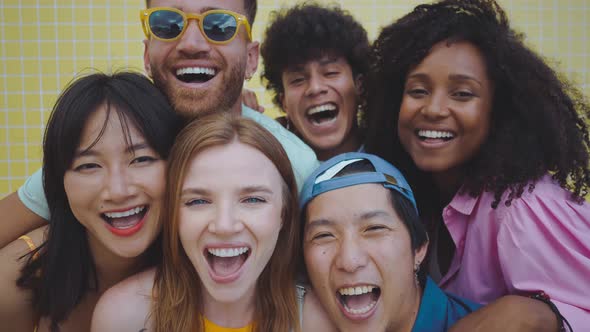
[
  {"x": 435, "y": 134},
  {"x": 127, "y": 213},
  {"x": 359, "y": 290},
  {"x": 227, "y": 252},
  {"x": 196, "y": 70},
  {"x": 361, "y": 310},
  {"x": 321, "y": 108}
]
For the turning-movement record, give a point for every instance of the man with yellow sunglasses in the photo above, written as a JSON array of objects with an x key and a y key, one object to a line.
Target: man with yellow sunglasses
[{"x": 200, "y": 52}]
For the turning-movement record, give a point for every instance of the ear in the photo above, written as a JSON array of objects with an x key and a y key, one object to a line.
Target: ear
[
  {"x": 421, "y": 253},
  {"x": 253, "y": 50},
  {"x": 358, "y": 85},
  {"x": 283, "y": 104},
  {"x": 146, "y": 58}
]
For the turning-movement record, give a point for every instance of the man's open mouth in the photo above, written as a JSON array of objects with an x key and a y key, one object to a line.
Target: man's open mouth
[
  {"x": 358, "y": 300},
  {"x": 195, "y": 74},
  {"x": 322, "y": 113}
]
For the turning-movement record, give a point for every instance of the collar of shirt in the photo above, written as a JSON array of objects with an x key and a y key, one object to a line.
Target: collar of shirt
[{"x": 438, "y": 310}]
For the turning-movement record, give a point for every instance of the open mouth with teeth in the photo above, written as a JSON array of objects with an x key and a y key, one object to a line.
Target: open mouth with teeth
[
  {"x": 195, "y": 74},
  {"x": 443, "y": 135},
  {"x": 321, "y": 114},
  {"x": 125, "y": 223},
  {"x": 358, "y": 300},
  {"x": 225, "y": 264}
]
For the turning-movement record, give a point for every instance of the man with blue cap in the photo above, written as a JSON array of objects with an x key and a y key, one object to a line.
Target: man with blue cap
[{"x": 363, "y": 246}]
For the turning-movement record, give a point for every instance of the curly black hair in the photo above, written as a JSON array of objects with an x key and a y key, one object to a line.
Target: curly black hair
[
  {"x": 538, "y": 120},
  {"x": 306, "y": 32}
]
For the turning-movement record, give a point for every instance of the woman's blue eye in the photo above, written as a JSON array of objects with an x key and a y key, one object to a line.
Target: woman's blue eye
[
  {"x": 198, "y": 201},
  {"x": 254, "y": 200}
]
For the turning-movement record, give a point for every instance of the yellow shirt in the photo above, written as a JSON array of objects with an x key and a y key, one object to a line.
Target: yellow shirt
[{"x": 211, "y": 327}]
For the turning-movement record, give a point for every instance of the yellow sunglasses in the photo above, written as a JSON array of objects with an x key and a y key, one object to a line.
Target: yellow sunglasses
[{"x": 218, "y": 26}]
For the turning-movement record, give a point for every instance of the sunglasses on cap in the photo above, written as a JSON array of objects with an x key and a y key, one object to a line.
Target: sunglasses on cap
[{"x": 218, "y": 26}]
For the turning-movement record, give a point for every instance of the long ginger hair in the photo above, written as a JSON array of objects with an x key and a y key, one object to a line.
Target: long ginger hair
[{"x": 177, "y": 291}]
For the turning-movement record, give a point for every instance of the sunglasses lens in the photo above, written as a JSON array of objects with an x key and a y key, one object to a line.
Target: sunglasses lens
[
  {"x": 166, "y": 24},
  {"x": 219, "y": 26}
]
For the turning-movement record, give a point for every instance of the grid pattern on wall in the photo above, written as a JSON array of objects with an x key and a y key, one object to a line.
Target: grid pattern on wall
[{"x": 46, "y": 43}]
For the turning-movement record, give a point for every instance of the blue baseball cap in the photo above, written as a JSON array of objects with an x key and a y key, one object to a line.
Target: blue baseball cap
[{"x": 322, "y": 179}]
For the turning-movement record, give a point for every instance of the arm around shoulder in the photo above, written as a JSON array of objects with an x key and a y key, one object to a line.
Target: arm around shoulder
[
  {"x": 17, "y": 219},
  {"x": 511, "y": 313},
  {"x": 16, "y": 310}
]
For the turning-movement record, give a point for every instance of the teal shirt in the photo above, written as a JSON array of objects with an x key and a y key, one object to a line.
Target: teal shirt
[
  {"x": 439, "y": 310},
  {"x": 303, "y": 160}
]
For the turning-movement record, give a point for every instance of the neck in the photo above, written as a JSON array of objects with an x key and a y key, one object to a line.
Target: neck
[
  {"x": 448, "y": 183},
  {"x": 236, "y": 109},
  {"x": 409, "y": 317},
  {"x": 234, "y": 314},
  {"x": 111, "y": 268},
  {"x": 350, "y": 144}
]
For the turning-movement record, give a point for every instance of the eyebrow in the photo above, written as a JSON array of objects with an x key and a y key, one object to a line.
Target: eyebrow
[
  {"x": 463, "y": 77},
  {"x": 374, "y": 214},
  {"x": 194, "y": 191},
  {"x": 323, "y": 61},
  {"x": 363, "y": 217},
  {"x": 452, "y": 77},
  {"x": 130, "y": 149},
  {"x": 243, "y": 190},
  {"x": 320, "y": 222},
  {"x": 251, "y": 189}
]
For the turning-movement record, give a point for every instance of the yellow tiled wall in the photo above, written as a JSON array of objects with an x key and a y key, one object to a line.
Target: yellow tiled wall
[{"x": 45, "y": 43}]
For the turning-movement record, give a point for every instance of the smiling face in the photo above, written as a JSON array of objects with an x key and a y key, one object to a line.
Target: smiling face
[
  {"x": 446, "y": 109},
  {"x": 230, "y": 218},
  {"x": 115, "y": 190},
  {"x": 320, "y": 98},
  {"x": 197, "y": 76},
  {"x": 360, "y": 261}
]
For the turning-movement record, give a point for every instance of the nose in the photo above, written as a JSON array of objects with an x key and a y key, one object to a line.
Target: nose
[
  {"x": 226, "y": 221},
  {"x": 192, "y": 40},
  {"x": 119, "y": 186},
  {"x": 315, "y": 86},
  {"x": 435, "y": 106},
  {"x": 351, "y": 256}
]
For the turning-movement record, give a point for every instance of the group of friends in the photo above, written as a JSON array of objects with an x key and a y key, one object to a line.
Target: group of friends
[{"x": 433, "y": 180}]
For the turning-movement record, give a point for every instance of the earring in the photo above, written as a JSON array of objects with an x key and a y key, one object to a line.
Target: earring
[
  {"x": 360, "y": 119},
  {"x": 287, "y": 123},
  {"x": 416, "y": 270}
]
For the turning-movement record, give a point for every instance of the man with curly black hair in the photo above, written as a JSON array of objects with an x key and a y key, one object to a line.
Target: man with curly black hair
[
  {"x": 315, "y": 61},
  {"x": 495, "y": 145}
]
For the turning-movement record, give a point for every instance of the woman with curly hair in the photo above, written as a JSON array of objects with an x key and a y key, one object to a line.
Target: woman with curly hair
[
  {"x": 315, "y": 60},
  {"x": 495, "y": 144}
]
